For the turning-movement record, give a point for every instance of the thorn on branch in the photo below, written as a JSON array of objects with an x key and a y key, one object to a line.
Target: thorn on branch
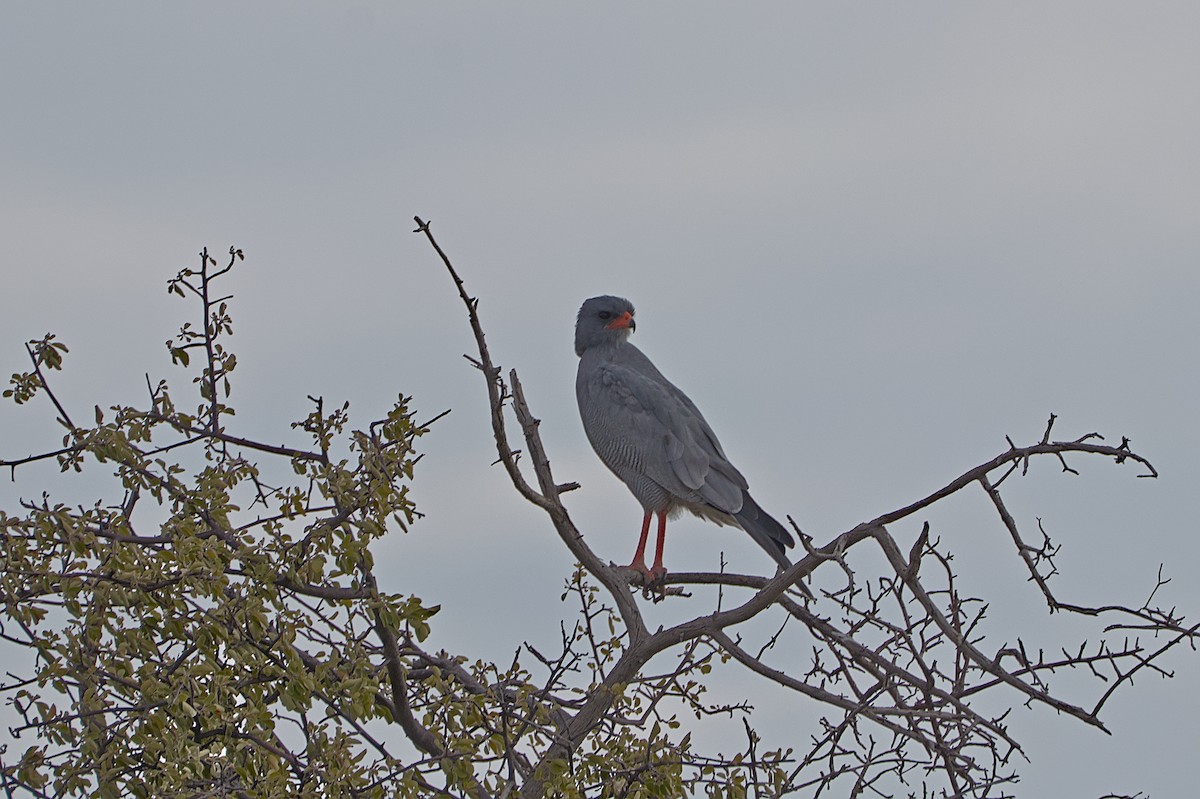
[
  {"x": 916, "y": 553},
  {"x": 1124, "y": 446},
  {"x": 805, "y": 539},
  {"x": 1012, "y": 467},
  {"x": 1049, "y": 425},
  {"x": 1063, "y": 461}
]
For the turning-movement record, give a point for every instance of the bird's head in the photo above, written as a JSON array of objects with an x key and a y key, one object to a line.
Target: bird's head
[{"x": 603, "y": 320}]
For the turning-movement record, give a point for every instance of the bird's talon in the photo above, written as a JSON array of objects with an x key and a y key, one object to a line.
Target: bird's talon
[{"x": 640, "y": 568}]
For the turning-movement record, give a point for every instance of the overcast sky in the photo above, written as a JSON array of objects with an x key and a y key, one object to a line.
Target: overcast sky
[{"x": 868, "y": 240}]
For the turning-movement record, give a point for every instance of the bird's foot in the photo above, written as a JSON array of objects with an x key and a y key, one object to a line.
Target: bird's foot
[{"x": 648, "y": 575}]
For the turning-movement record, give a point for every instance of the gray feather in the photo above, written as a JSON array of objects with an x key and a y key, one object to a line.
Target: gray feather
[{"x": 653, "y": 437}]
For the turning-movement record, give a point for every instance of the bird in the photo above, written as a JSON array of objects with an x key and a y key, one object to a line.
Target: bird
[{"x": 652, "y": 437}]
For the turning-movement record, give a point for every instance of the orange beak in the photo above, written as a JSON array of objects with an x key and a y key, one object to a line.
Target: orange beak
[{"x": 624, "y": 320}]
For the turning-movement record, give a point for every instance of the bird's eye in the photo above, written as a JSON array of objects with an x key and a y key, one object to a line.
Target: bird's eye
[{"x": 605, "y": 315}]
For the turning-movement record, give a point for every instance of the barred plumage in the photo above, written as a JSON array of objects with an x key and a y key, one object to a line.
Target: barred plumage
[{"x": 655, "y": 439}]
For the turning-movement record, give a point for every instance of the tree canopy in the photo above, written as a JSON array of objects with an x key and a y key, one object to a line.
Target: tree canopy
[{"x": 214, "y": 625}]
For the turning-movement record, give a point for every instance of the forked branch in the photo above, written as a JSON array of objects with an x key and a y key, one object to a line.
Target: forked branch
[{"x": 899, "y": 652}]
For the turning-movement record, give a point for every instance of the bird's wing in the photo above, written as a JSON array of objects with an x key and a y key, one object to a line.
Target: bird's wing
[{"x": 647, "y": 424}]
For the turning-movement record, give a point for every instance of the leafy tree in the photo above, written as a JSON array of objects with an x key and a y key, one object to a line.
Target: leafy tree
[{"x": 214, "y": 625}]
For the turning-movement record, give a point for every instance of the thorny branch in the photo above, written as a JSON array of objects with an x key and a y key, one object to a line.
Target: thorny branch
[
  {"x": 276, "y": 645},
  {"x": 879, "y": 655}
]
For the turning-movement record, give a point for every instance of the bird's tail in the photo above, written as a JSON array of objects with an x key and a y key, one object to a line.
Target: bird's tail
[
  {"x": 770, "y": 534},
  {"x": 762, "y": 527}
]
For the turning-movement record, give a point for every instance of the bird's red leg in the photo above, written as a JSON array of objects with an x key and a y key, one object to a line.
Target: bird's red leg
[
  {"x": 658, "y": 571},
  {"x": 639, "y": 557}
]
